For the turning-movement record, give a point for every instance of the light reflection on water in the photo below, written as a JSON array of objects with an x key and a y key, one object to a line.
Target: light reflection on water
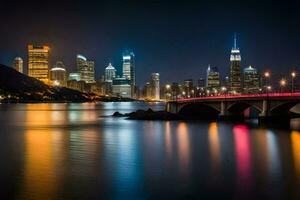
[{"x": 71, "y": 151}]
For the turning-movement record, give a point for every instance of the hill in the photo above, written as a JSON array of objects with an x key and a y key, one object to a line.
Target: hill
[{"x": 18, "y": 87}]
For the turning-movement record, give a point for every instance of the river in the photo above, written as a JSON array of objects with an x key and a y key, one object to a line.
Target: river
[{"x": 78, "y": 151}]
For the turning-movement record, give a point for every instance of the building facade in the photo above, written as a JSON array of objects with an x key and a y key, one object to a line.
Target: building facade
[
  {"x": 235, "y": 79},
  {"x": 86, "y": 69},
  {"x": 121, "y": 87},
  {"x": 110, "y": 73},
  {"x": 38, "y": 62},
  {"x": 18, "y": 64},
  {"x": 58, "y": 74},
  {"x": 129, "y": 70},
  {"x": 251, "y": 80},
  {"x": 212, "y": 77},
  {"x": 155, "y": 86}
]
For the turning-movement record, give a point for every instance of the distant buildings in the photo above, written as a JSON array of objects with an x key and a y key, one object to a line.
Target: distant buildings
[
  {"x": 235, "y": 82},
  {"x": 86, "y": 69},
  {"x": 154, "y": 85},
  {"x": 122, "y": 87},
  {"x": 74, "y": 76},
  {"x": 188, "y": 88},
  {"x": 18, "y": 64},
  {"x": 58, "y": 74},
  {"x": 212, "y": 77},
  {"x": 251, "y": 80},
  {"x": 38, "y": 62},
  {"x": 110, "y": 73}
]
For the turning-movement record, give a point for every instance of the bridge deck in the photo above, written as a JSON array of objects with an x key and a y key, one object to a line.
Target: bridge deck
[{"x": 242, "y": 96}]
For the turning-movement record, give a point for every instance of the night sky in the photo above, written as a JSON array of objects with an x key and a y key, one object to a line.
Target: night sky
[{"x": 177, "y": 39}]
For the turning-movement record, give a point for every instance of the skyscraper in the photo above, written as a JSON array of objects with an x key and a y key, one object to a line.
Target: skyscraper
[
  {"x": 129, "y": 70},
  {"x": 155, "y": 88},
  {"x": 86, "y": 69},
  {"x": 18, "y": 64},
  {"x": 58, "y": 74},
  {"x": 38, "y": 62},
  {"x": 110, "y": 73},
  {"x": 212, "y": 77},
  {"x": 235, "y": 69},
  {"x": 251, "y": 80}
]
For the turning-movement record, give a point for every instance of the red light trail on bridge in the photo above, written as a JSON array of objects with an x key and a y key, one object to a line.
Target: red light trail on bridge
[{"x": 241, "y": 96}]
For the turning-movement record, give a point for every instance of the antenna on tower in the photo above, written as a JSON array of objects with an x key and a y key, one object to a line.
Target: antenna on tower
[{"x": 234, "y": 45}]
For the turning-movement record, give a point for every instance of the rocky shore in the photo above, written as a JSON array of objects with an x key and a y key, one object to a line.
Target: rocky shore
[{"x": 149, "y": 115}]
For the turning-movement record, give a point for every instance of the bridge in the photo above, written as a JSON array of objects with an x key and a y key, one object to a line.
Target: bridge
[{"x": 267, "y": 105}]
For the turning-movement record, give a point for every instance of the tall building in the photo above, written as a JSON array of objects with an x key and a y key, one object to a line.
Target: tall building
[
  {"x": 38, "y": 62},
  {"x": 188, "y": 88},
  {"x": 129, "y": 70},
  {"x": 235, "y": 82},
  {"x": 212, "y": 77},
  {"x": 110, "y": 73},
  {"x": 121, "y": 87},
  {"x": 251, "y": 80},
  {"x": 18, "y": 64},
  {"x": 58, "y": 74},
  {"x": 155, "y": 88},
  {"x": 86, "y": 69}
]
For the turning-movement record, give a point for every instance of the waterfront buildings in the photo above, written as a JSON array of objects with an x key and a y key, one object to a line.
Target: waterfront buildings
[
  {"x": 251, "y": 80},
  {"x": 235, "y": 69},
  {"x": 188, "y": 88},
  {"x": 129, "y": 70},
  {"x": 154, "y": 85},
  {"x": 121, "y": 87},
  {"x": 38, "y": 62},
  {"x": 74, "y": 76},
  {"x": 18, "y": 64},
  {"x": 86, "y": 68},
  {"x": 58, "y": 74},
  {"x": 212, "y": 77},
  {"x": 110, "y": 73}
]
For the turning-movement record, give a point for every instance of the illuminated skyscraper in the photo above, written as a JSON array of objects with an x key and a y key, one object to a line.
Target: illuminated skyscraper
[
  {"x": 18, "y": 64},
  {"x": 155, "y": 88},
  {"x": 251, "y": 80},
  {"x": 235, "y": 69},
  {"x": 110, "y": 73},
  {"x": 129, "y": 70},
  {"x": 86, "y": 69},
  {"x": 212, "y": 77},
  {"x": 38, "y": 62},
  {"x": 58, "y": 74}
]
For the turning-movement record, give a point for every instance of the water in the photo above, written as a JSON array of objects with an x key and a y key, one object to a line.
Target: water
[{"x": 74, "y": 151}]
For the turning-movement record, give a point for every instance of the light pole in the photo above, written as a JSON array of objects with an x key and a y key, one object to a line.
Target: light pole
[
  {"x": 267, "y": 76},
  {"x": 293, "y": 74},
  {"x": 282, "y": 84}
]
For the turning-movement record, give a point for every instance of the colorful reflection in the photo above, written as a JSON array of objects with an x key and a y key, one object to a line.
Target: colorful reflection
[
  {"x": 295, "y": 140},
  {"x": 183, "y": 146},
  {"x": 214, "y": 147},
  {"x": 40, "y": 178},
  {"x": 243, "y": 155},
  {"x": 273, "y": 155},
  {"x": 168, "y": 141}
]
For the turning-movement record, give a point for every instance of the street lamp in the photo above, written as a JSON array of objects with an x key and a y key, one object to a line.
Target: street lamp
[
  {"x": 267, "y": 76},
  {"x": 282, "y": 84},
  {"x": 293, "y": 74}
]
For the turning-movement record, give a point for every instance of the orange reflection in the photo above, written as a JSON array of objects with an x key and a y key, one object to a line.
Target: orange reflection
[
  {"x": 38, "y": 114},
  {"x": 295, "y": 140},
  {"x": 183, "y": 145},
  {"x": 214, "y": 146},
  {"x": 168, "y": 139},
  {"x": 39, "y": 169}
]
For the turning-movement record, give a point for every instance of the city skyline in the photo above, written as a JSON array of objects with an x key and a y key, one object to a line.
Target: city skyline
[{"x": 270, "y": 45}]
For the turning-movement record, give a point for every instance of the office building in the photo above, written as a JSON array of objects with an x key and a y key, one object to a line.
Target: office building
[
  {"x": 110, "y": 73},
  {"x": 18, "y": 64},
  {"x": 58, "y": 74},
  {"x": 212, "y": 77},
  {"x": 251, "y": 80},
  {"x": 155, "y": 88},
  {"x": 235, "y": 69},
  {"x": 38, "y": 62},
  {"x": 86, "y": 69},
  {"x": 74, "y": 76},
  {"x": 129, "y": 70},
  {"x": 121, "y": 87}
]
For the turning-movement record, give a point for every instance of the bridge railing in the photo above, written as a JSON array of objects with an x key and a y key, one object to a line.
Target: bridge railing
[{"x": 241, "y": 96}]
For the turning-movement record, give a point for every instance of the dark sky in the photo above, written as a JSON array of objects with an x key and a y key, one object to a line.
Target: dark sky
[{"x": 178, "y": 39}]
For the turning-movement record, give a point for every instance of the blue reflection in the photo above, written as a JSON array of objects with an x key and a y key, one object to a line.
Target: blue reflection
[{"x": 274, "y": 156}]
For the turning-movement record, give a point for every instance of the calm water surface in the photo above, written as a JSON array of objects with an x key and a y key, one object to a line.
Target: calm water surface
[{"x": 75, "y": 151}]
